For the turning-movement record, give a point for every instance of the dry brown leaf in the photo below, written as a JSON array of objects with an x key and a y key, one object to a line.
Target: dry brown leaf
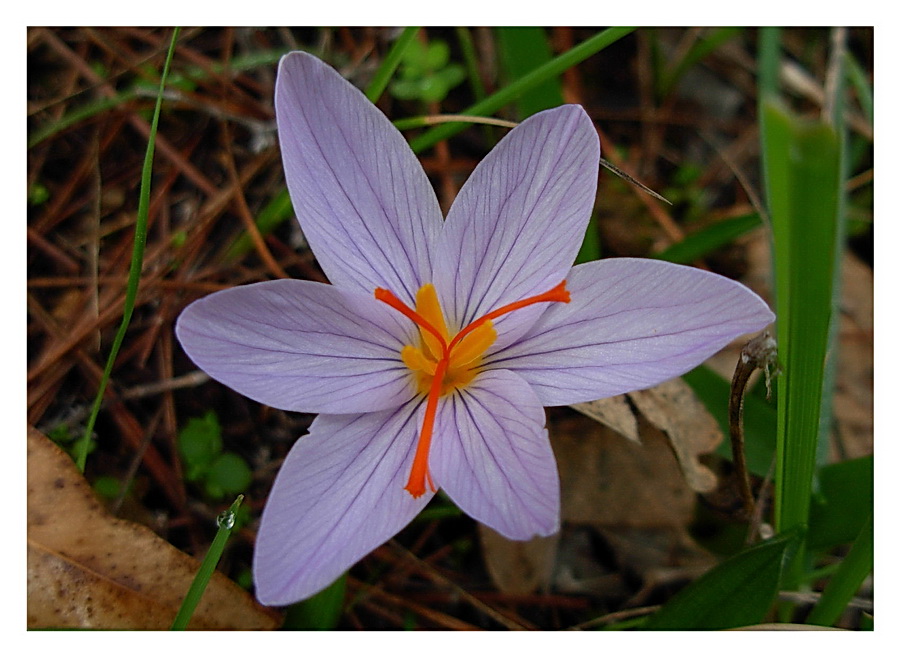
[
  {"x": 692, "y": 430},
  {"x": 614, "y": 412},
  {"x": 88, "y": 569},
  {"x": 518, "y": 567},
  {"x": 608, "y": 481},
  {"x": 854, "y": 380}
]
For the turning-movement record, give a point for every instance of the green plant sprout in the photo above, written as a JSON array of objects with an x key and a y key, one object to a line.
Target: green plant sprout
[{"x": 220, "y": 473}]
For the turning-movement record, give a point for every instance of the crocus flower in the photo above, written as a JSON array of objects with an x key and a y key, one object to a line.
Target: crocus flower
[{"x": 432, "y": 354}]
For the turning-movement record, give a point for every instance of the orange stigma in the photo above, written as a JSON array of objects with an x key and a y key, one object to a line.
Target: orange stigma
[{"x": 442, "y": 364}]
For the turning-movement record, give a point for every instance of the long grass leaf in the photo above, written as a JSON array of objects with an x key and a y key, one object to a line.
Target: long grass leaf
[
  {"x": 137, "y": 260},
  {"x": 703, "y": 242},
  {"x": 515, "y": 89},
  {"x": 389, "y": 64},
  {"x": 802, "y": 174},
  {"x": 522, "y": 50}
]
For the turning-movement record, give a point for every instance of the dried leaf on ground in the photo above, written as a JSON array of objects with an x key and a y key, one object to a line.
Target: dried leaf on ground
[
  {"x": 673, "y": 408},
  {"x": 635, "y": 496},
  {"x": 88, "y": 569},
  {"x": 518, "y": 567},
  {"x": 614, "y": 412},
  {"x": 854, "y": 380},
  {"x": 692, "y": 431},
  {"x": 608, "y": 481}
]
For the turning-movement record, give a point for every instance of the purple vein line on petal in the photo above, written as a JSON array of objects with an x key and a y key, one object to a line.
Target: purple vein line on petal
[
  {"x": 465, "y": 401},
  {"x": 328, "y": 164},
  {"x": 351, "y": 498}
]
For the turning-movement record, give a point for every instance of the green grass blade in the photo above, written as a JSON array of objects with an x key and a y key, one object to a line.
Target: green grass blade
[
  {"x": 769, "y": 62},
  {"x": 79, "y": 114},
  {"x": 239, "y": 64},
  {"x": 137, "y": 260},
  {"x": 389, "y": 64},
  {"x": 702, "y": 243},
  {"x": 515, "y": 89},
  {"x": 207, "y": 567},
  {"x": 700, "y": 49},
  {"x": 846, "y": 581},
  {"x": 860, "y": 83},
  {"x": 470, "y": 60},
  {"x": 276, "y": 211},
  {"x": 737, "y": 592},
  {"x": 522, "y": 50},
  {"x": 802, "y": 174}
]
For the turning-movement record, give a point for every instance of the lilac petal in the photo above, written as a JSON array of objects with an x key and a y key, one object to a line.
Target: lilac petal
[
  {"x": 362, "y": 198},
  {"x": 492, "y": 456},
  {"x": 518, "y": 222},
  {"x": 632, "y": 323},
  {"x": 301, "y": 346},
  {"x": 338, "y": 495}
]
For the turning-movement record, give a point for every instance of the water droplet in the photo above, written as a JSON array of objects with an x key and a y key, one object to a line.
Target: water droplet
[{"x": 225, "y": 519}]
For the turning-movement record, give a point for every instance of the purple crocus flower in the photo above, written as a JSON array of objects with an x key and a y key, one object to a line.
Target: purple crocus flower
[{"x": 433, "y": 353}]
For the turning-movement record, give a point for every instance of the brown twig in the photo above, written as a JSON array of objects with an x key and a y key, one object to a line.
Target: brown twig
[
  {"x": 432, "y": 574},
  {"x": 759, "y": 353}
]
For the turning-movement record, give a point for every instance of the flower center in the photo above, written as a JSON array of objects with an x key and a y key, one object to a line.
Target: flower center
[
  {"x": 462, "y": 360},
  {"x": 441, "y": 364}
]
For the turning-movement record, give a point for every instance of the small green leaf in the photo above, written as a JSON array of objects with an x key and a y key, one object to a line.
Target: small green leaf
[
  {"x": 405, "y": 90},
  {"x": 200, "y": 442},
  {"x": 107, "y": 486},
  {"x": 838, "y": 512},
  {"x": 737, "y": 592},
  {"x": 38, "y": 194},
  {"x": 432, "y": 89},
  {"x": 437, "y": 56},
  {"x": 228, "y": 475}
]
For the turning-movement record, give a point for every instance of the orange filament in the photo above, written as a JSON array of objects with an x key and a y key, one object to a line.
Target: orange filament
[
  {"x": 556, "y": 294},
  {"x": 443, "y": 366},
  {"x": 419, "y": 472},
  {"x": 391, "y": 300}
]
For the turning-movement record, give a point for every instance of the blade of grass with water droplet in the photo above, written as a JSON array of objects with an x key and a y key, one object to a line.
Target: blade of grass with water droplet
[{"x": 207, "y": 567}]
